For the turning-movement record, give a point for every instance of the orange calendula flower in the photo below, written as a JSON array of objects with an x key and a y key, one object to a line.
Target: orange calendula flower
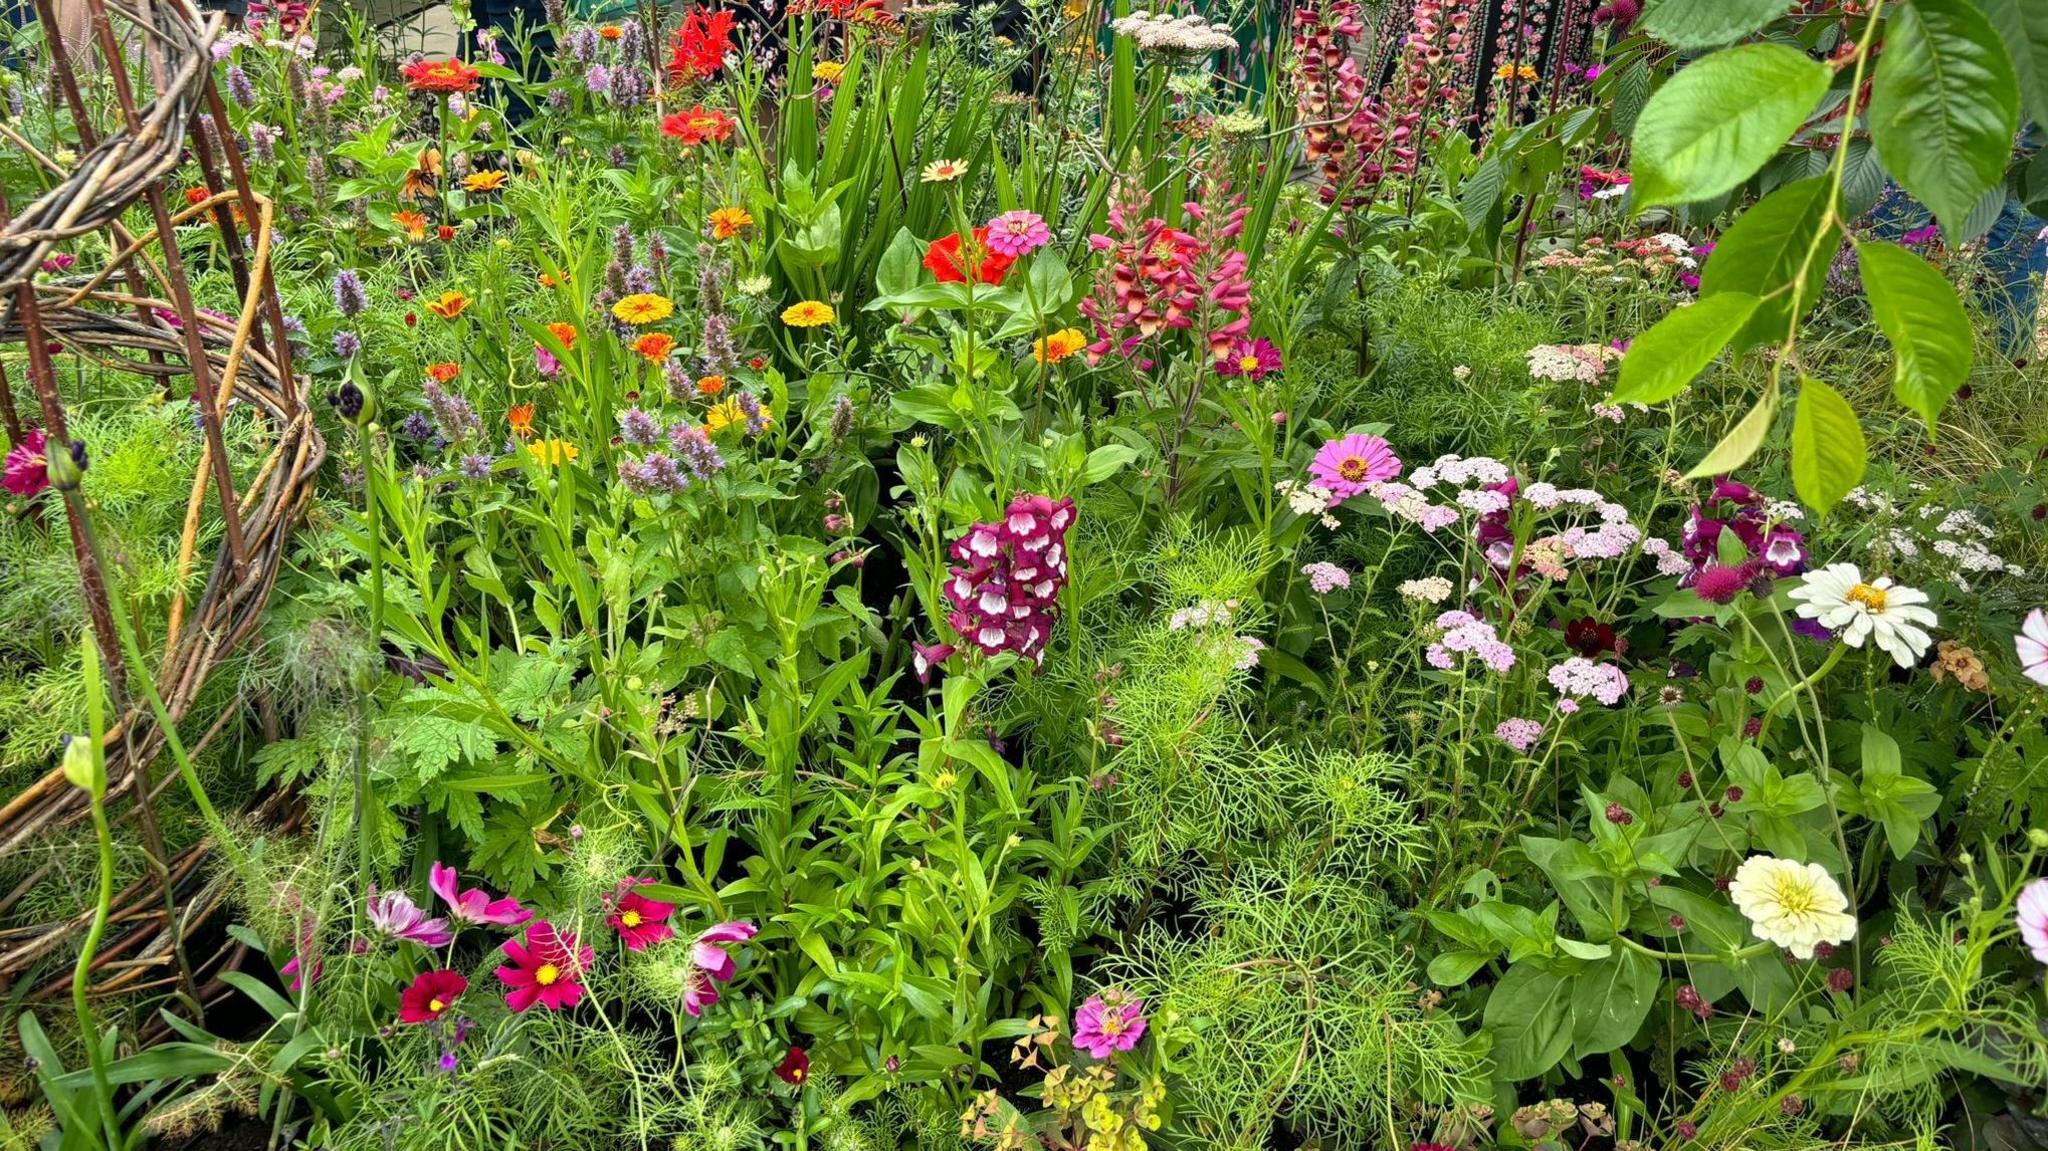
[
  {"x": 710, "y": 385},
  {"x": 449, "y": 306},
  {"x": 444, "y": 371},
  {"x": 643, "y": 308},
  {"x": 519, "y": 417},
  {"x": 441, "y": 76},
  {"x": 414, "y": 223},
  {"x": 552, "y": 453},
  {"x": 654, "y": 347},
  {"x": 486, "y": 180},
  {"x": 1058, "y": 346},
  {"x": 563, "y": 332},
  {"x": 729, "y": 222},
  {"x": 698, "y": 125},
  {"x": 808, "y": 314},
  {"x": 610, "y": 31}
]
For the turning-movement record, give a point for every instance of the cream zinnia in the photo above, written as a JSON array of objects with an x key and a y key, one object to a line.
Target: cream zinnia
[
  {"x": 1797, "y": 906},
  {"x": 1893, "y": 616}
]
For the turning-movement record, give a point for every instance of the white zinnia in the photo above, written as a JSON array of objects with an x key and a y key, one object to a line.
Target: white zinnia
[
  {"x": 1880, "y": 610},
  {"x": 1794, "y": 905}
]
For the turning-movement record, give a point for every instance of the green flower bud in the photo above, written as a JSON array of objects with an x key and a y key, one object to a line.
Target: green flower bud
[{"x": 82, "y": 768}]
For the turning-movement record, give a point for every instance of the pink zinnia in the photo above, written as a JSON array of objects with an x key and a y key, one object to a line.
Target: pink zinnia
[
  {"x": 430, "y": 995},
  {"x": 28, "y": 466},
  {"x": 1018, "y": 234},
  {"x": 1252, "y": 359},
  {"x": 1111, "y": 1021},
  {"x": 1348, "y": 466},
  {"x": 712, "y": 964},
  {"x": 547, "y": 969},
  {"x": 475, "y": 905},
  {"x": 2033, "y": 916},
  {"x": 641, "y": 921}
]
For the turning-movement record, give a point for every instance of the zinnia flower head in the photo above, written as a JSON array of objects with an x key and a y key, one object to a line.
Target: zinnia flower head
[
  {"x": 1109, "y": 1022},
  {"x": 643, "y": 308},
  {"x": 1018, "y": 233},
  {"x": 808, "y": 314},
  {"x": 727, "y": 223},
  {"x": 654, "y": 347},
  {"x": 1350, "y": 465},
  {"x": 1880, "y": 611},
  {"x": 944, "y": 171},
  {"x": 1057, "y": 346},
  {"x": 485, "y": 180},
  {"x": 698, "y": 125},
  {"x": 1797, "y": 906},
  {"x": 948, "y": 263},
  {"x": 442, "y": 77},
  {"x": 640, "y": 921},
  {"x": 474, "y": 906},
  {"x": 547, "y": 968},
  {"x": 28, "y": 465},
  {"x": 431, "y": 995}
]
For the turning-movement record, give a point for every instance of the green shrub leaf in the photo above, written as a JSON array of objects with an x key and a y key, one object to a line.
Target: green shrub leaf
[
  {"x": 1789, "y": 235},
  {"x": 1691, "y": 25},
  {"x": 1742, "y": 440},
  {"x": 1716, "y": 122},
  {"x": 1918, "y": 311},
  {"x": 1828, "y": 454},
  {"x": 1663, "y": 360},
  {"x": 1944, "y": 106},
  {"x": 2023, "y": 25}
]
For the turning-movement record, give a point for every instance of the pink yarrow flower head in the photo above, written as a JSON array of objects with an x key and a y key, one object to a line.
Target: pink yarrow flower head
[
  {"x": 1351, "y": 465},
  {"x": 1005, "y": 585},
  {"x": 1520, "y": 734},
  {"x": 547, "y": 968},
  {"x": 640, "y": 921},
  {"x": 28, "y": 464},
  {"x": 2032, "y": 911},
  {"x": 396, "y": 915},
  {"x": 1018, "y": 234},
  {"x": 1252, "y": 359},
  {"x": 1324, "y": 577},
  {"x": 474, "y": 906},
  {"x": 1109, "y": 1022},
  {"x": 712, "y": 964}
]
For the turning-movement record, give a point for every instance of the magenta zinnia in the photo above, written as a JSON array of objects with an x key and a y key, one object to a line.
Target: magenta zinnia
[
  {"x": 1018, "y": 234},
  {"x": 28, "y": 465},
  {"x": 1109, "y": 1022},
  {"x": 546, "y": 969},
  {"x": 1351, "y": 465}
]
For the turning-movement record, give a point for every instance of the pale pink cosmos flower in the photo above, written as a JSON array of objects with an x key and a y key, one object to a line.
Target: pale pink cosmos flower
[
  {"x": 2031, "y": 645},
  {"x": 2033, "y": 917},
  {"x": 1018, "y": 234}
]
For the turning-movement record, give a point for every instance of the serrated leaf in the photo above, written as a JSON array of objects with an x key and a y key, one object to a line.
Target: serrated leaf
[
  {"x": 1944, "y": 105},
  {"x": 1828, "y": 453},
  {"x": 1664, "y": 359},
  {"x": 1790, "y": 235},
  {"x": 1918, "y": 311},
  {"x": 1696, "y": 24},
  {"x": 1711, "y": 126},
  {"x": 1742, "y": 440}
]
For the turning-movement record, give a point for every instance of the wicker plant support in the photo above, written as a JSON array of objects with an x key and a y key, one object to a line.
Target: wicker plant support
[{"x": 136, "y": 314}]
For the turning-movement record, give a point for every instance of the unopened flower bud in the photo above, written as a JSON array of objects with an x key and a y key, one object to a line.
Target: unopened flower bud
[{"x": 67, "y": 468}]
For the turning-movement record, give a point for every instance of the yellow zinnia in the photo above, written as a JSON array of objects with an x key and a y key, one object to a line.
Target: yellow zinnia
[
  {"x": 1058, "y": 346},
  {"x": 643, "y": 308},
  {"x": 487, "y": 180},
  {"x": 808, "y": 314},
  {"x": 552, "y": 453}
]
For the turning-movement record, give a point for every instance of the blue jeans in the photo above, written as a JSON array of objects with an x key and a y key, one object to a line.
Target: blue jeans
[{"x": 2015, "y": 261}]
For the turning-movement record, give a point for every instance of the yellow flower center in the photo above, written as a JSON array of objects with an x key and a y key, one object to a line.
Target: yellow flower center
[
  {"x": 436, "y": 1006},
  {"x": 1353, "y": 468},
  {"x": 630, "y": 919},
  {"x": 1248, "y": 364},
  {"x": 1795, "y": 897},
  {"x": 1112, "y": 1025},
  {"x": 547, "y": 975},
  {"x": 1870, "y": 597}
]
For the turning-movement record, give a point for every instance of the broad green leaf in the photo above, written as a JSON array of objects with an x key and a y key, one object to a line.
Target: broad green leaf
[
  {"x": 1944, "y": 105},
  {"x": 1828, "y": 454},
  {"x": 1715, "y": 123},
  {"x": 898, "y": 271},
  {"x": 1917, "y": 309},
  {"x": 1742, "y": 440},
  {"x": 1886, "y": 795},
  {"x": 1453, "y": 968},
  {"x": 2023, "y": 25},
  {"x": 1785, "y": 241},
  {"x": 1693, "y": 24},
  {"x": 1664, "y": 359},
  {"x": 1610, "y": 1000},
  {"x": 1529, "y": 1017}
]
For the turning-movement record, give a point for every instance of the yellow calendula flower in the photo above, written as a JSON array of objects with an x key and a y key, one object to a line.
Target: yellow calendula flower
[
  {"x": 729, "y": 222},
  {"x": 553, "y": 453},
  {"x": 643, "y": 308},
  {"x": 1058, "y": 346},
  {"x": 808, "y": 314}
]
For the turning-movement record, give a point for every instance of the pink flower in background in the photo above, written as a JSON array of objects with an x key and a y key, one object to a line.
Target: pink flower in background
[
  {"x": 547, "y": 969},
  {"x": 1252, "y": 359},
  {"x": 711, "y": 964},
  {"x": 1018, "y": 234},
  {"x": 475, "y": 905},
  {"x": 1324, "y": 578},
  {"x": 1351, "y": 465},
  {"x": 396, "y": 915},
  {"x": 2032, "y": 911},
  {"x": 1579, "y": 678},
  {"x": 28, "y": 465},
  {"x": 1109, "y": 1022},
  {"x": 2031, "y": 645},
  {"x": 1520, "y": 734},
  {"x": 641, "y": 921}
]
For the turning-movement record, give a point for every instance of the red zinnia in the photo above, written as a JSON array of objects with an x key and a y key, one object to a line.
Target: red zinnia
[
  {"x": 700, "y": 45},
  {"x": 697, "y": 125},
  {"x": 640, "y": 920},
  {"x": 943, "y": 258},
  {"x": 430, "y": 996},
  {"x": 794, "y": 1068},
  {"x": 441, "y": 76}
]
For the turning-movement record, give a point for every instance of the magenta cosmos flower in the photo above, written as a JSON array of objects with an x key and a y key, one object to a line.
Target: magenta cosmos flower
[
  {"x": 547, "y": 969},
  {"x": 2033, "y": 917},
  {"x": 711, "y": 964},
  {"x": 475, "y": 905},
  {"x": 28, "y": 465},
  {"x": 1252, "y": 359},
  {"x": 1350, "y": 465},
  {"x": 641, "y": 921},
  {"x": 1111, "y": 1021},
  {"x": 1018, "y": 234}
]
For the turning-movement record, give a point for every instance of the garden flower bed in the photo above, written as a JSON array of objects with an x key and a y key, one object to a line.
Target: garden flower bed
[{"x": 1429, "y": 575}]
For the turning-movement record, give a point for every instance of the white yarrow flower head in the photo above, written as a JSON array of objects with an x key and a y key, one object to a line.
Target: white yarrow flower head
[
  {"x": 1797, "y": 906},
  {"x": 1892, "y": 616}
]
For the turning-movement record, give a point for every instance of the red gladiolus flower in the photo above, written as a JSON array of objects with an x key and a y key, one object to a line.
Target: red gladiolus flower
[
  {"x": 442, "y": 77},
  {"x": 795, "y": 1067},
  {"x": 944, "y": 259},
  {"x": 698, "y": 125},
  {"x": 548, "y": 969},
  {"x": 641, "y": 921},
  {"x": 700, "y": 46},
  {"x": 430, "y": 996}
]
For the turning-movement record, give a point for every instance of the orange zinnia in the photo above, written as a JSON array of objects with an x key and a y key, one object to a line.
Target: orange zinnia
[
  {"x": 441, "y": 76},
  {"x": 729, "y": 222},
  {"x": 195, "y": 195},
  {"x": 519, "y": 417},
  {"x": 654, "y": 347},
  {"x": 710, "y": 385},
  {"x": 443, "y": 371},
  {"x": 698, "y": 125},
  {"x": 414, "y": 223},
  {"x": 563, "y": 332},
  {"x": 611, "y": 31},
  {"x": 449, "y": 306}
]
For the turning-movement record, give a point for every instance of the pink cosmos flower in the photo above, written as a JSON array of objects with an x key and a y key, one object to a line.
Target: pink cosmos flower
[
  {"x": 548, "y": 969},
  {"x": 1252, "y": 359},
  {"x": 1018, "y": 234},
  {"x": 396, "y": 915},
  {"x": 1351, "y": 465},
  {"x": 1111, "y": 1021},
  {"x": 711, "y": 964},
  {"x": 641, "y": 921},
  {"x": 475, "y": 905},
  {"x": 2033, "y": 917},
  {"x": 28, "y": 465},
  {"x": 430, "y": 996},
  {"x": 2031, "y": 645}
]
